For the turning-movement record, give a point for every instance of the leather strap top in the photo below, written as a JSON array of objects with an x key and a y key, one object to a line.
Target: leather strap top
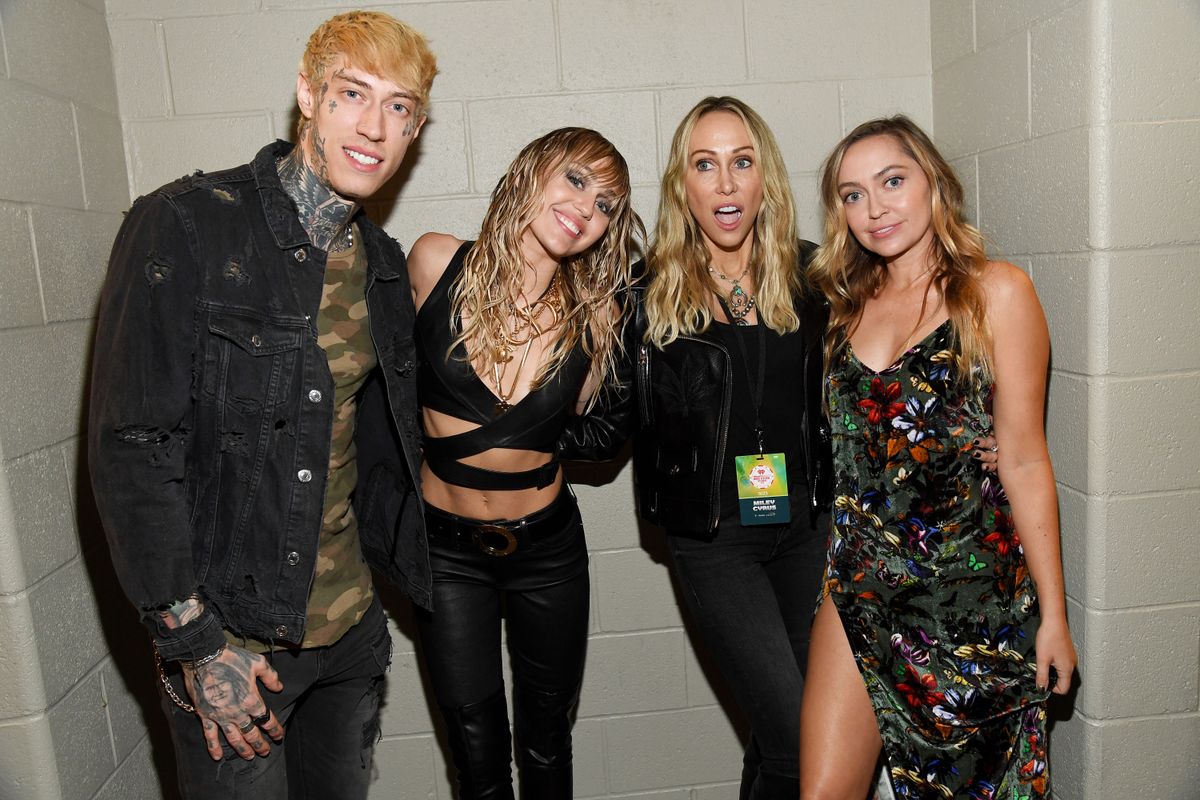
[{"x": 448, "y": 384}]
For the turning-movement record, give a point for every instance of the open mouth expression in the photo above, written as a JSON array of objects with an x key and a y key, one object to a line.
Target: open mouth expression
[{"x": 722, "y": 181}]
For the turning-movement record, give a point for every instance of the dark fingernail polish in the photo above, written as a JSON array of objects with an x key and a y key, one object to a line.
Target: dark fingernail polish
[
  {"x": 976, "y": 456},
  {"x": 975, "y": 442}
]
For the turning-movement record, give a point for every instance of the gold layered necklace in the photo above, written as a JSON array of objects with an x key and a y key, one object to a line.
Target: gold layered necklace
[
  {"x": 740, "y": 302},
  {"x": 525, "y": 328}
]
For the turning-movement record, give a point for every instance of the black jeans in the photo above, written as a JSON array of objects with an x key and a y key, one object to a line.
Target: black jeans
[
  {"x": 329, "y": 708},
  {"x": 751, "y": 592},
  {"x": 544, "y": 588}
]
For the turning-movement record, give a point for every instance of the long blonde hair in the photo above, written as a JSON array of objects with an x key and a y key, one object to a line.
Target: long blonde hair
[
  {"x": 589, "y": 281},
  {"x": 849, "y": 274},
  {"x": 679, "y": 295}
]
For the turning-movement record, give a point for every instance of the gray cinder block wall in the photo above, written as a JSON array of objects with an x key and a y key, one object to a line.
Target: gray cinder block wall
[
  {"x": 203, "y": 84},
  {"x": 1077, "y": 128},
  {"x": 66, "y": 721}
]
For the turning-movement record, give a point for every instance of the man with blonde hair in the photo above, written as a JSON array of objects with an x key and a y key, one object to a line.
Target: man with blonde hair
[{"x": 253, "y": 433}]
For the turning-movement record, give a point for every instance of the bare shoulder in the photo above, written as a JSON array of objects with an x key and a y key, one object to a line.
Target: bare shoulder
[
  {"x": 1005, "y": 283},
  {"x": 427, "y": 260},
  {"x": 1014, "y": 312},
  {"x": 434, "y": 248},
  {"x": 1001, "y": 277}
]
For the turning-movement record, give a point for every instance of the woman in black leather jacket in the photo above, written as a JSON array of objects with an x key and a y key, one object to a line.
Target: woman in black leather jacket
[{"x": 727, "y": 361}]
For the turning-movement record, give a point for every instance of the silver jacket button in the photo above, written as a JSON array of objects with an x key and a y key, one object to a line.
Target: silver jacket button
[{"x": 304, "y": 475}]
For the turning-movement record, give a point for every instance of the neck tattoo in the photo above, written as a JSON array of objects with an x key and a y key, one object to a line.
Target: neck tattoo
[
  {"x": 739, "y": 301},
  {"x": 324, "y": 216}
]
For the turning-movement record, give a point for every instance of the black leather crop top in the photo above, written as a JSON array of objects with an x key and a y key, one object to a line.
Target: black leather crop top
[{"x": 450, "y": 385}]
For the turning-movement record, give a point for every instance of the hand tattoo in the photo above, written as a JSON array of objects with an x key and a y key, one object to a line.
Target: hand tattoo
[
  {"x": 325, "y": 216},
  {"x": 221, "y": 687},
  {"x": 225, "y": 694}
]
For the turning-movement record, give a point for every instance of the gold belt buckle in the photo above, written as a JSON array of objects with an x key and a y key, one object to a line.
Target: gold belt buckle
[{"x": 510, "y": 540}]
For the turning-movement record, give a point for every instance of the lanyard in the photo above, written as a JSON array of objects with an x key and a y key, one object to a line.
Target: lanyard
[{"x": 756, "y": 390}]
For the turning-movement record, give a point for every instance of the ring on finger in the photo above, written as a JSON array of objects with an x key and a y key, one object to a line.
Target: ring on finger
[
  {"x": 261, "y": 719},
  {"x": 994, "y": 448},
  {"x": 247, "y": 726}
]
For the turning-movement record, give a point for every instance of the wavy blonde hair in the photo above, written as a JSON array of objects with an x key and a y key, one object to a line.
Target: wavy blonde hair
[
  {"x": 678, "y": 299},
  {"x": 494, "y": 268},
  {"x": 850, "y": 274}
]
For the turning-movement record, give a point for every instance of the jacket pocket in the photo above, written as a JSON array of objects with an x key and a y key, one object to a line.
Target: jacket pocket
[
  {"x": 250, "y": 359},
  {"x": 253, "y": 334}
]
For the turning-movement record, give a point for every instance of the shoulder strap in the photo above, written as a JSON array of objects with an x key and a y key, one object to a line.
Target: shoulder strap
[{"x": 449, "y": 274}]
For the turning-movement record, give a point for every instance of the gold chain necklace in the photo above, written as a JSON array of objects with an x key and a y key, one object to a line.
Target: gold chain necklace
[
  {"x": 505, "y": 342},
  {"x": 525, "y": 319},
  {"x": 502, "y": 404}
]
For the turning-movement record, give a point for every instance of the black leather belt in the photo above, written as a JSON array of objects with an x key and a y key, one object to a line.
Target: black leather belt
[{"x": 500, "y": 537}]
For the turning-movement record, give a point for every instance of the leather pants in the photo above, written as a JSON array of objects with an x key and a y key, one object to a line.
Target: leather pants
[{"x": 542, "y": 589}]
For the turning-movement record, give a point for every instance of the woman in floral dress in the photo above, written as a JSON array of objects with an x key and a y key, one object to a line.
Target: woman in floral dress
[{"x": 945, "y": 629}]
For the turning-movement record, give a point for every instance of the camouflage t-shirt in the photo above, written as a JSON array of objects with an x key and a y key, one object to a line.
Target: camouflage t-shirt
[{"x": 342, "y": 590}]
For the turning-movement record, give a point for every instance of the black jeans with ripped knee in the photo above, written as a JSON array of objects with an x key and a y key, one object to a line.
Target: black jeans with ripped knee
[{"x": 542, "y": 589}]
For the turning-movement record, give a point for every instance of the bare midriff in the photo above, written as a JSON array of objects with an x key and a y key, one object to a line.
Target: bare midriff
[{"x": 482, "y": 504}]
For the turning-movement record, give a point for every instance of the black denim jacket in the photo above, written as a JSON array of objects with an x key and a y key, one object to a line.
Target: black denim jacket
[
  {"x": 678, "y": 456},
  {"x": 212, "y": 408}
]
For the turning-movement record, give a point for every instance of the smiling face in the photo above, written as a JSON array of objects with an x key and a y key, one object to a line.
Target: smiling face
[
  {"x": 887, "y": 199},
  {"x": 723, "y": 182},
  {"x": 575, "y": 212},
  {"x": 358, "y": 128}
]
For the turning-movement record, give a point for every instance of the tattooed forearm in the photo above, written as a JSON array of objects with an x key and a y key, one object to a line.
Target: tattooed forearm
[
  {"x": 182, "y": 612},
  {"x": 324, "y": 215}
]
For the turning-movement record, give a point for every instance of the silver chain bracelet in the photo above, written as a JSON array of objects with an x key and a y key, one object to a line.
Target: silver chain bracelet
[{"x": 162, "y": 676}]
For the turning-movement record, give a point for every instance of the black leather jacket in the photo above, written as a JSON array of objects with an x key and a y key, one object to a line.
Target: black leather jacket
[
  {"x": 212, "y": 406},
  {"x": 679, "y": 449}
]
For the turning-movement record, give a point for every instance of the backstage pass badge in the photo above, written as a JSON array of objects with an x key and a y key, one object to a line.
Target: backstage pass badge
[{"x": 762, "y": 489}]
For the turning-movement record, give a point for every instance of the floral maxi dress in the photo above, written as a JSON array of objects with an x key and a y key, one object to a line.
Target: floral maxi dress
[{"x": 927, "y": 574}]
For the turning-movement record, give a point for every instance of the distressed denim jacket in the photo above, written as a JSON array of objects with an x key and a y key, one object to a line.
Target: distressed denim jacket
[{"x": 212, "y": 407}]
